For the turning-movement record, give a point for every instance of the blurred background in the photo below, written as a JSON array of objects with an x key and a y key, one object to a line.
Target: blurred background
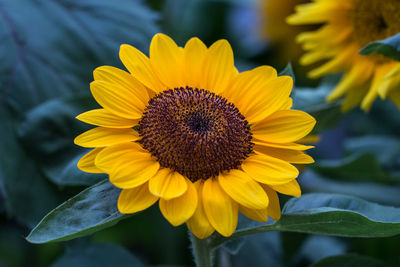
[{"x": 48, "y": 51}]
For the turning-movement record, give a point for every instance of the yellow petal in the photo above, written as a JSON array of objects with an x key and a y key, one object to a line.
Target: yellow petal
[
  {"x": 310, "y": 139},
  {"x": 105, "y": 159},
  {"x": 139, "y": 66},
  {"x": 100, "y": 137},
  {"x": 359, "y": 74},
  {"x": 291, "y": 156},
  {"x": 293, "y": 146},
  {"x": 117, "y": 99},
  {"x": 104, "y": 118},
  {"x": 274, "y": 209},
  {"x": 168, "y": 184},
  {"x": 86, "y": 163},
  {"x": 259, "y": 92},
  {"x": 198, "y": 224},
  {"x": 284, "y": 126},
  {"x": 243, "y": 189},
  {"x": 135, "y": 199},
  {"x": 257, "y": 215},
  {"x": 221, "y": 210},
  {"x": 179, "y": 210},
  {"x": 193, "y": 58},
  {"x": 219, "y": 67},
  {"x": 377, "y": 81},
  {"x": 292, "y": 188},
  {"x": 123, "y": 79},
  {"x": 245, "y": 81},
  {"x": 133, "y": 169},
  {"x": 166, "y": 60},
  {"x": 269, "y": 170}
]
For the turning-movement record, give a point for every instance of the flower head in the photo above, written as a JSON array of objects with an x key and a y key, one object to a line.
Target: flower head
[
  {"x": 277, "y": 31},
  {"x": 184, "y": 128},
  {"x": 349, "y": 25}
]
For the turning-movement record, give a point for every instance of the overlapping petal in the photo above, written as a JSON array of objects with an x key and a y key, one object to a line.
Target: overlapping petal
[
  {"x": 179, "y": 210},
  {"x": 220, "y": 209}
]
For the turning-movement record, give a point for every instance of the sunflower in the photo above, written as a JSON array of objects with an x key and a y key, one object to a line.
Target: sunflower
[
  {"x": 347, "y": 26},
  {"x": 274, "y": 28},
  {"x": 184, "y": 128}
]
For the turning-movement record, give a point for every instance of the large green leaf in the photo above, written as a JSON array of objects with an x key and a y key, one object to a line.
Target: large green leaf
[
  {"x": 48, "y": 132},
  {"x": 312, "y": 181},
  {"x": 27, "y": 194},
  {"x": 50, "y": 48},
  {"x": 97, "y": 255},
  {"x": 385, "y": 148},
  {"x": 357, "y": 167},
  {"x": 330, "y": 214},
  {"x": 389, "y": 47},
  {"x": 348, "y": 260},
  {"x": 93, "y": 209}
]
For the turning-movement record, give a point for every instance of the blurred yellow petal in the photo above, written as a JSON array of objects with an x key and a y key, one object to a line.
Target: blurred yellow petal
[
  {"x": 179, "y": 210},
  {"x": 221, "y": 210}
]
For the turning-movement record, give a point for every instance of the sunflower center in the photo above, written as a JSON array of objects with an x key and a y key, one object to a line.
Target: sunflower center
[
  {"x": 195, "y": 132},
  {"x": 375, "y": 20}
]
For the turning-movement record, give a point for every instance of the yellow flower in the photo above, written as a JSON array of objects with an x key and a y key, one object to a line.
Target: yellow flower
[
  {"x": 348, "y": 25},
  {"x": 275, "y": 29},
  {"x": 184, "y": 128}
]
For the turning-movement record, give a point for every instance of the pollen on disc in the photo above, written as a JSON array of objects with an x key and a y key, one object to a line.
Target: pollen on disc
[{"x": 195, "y": 132}]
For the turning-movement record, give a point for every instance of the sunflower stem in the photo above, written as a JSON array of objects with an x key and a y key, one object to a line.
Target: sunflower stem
[{"x": 202, "y": 251}]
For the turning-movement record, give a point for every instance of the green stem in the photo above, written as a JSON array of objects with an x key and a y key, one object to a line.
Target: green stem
[{"x": 202, "y": 251}]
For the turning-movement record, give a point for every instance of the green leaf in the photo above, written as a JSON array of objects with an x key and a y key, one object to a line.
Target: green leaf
[
  {"x": 70, "y": 38},
  {"x": 313, "y": 101},
  {"x": 48, "y": 133},
  {"x": 27, "y": 194},
  {"x": 357, "y": 167},
  {"x": 385, "y": 148},
  {"x": 330, "y": 214},
  {"x": 93, "y": 209},
  {"x": 348, "y": 260},
  {"x": 389, "y": 47},
  {"x": 314, "y": 182},
  {"x": 339, "y": 215},
  {"x": 97, "y": 255},
  {"x": 260, "y": 248}
]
